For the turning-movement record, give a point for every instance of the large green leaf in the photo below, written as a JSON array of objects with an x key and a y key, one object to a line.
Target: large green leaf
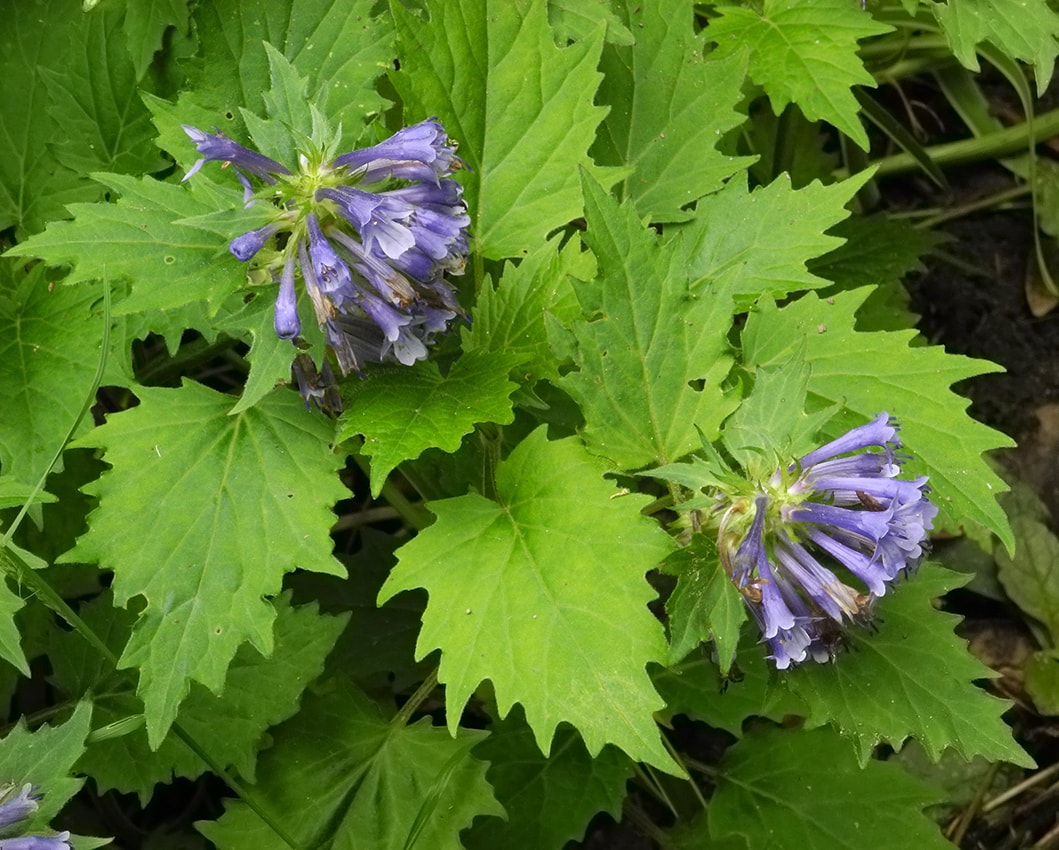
[
  {"x": 910, "y": 676},
  {"x": 235, "y": 502},
  {"x": 258, "y": 693},
  {"x": 795, "y": 790},
  {"x": 669, "y": 109},
  {"x": 348, "y": 778},
  {"x": 403, "y": 411},
  {"x": 1023, "y": 29},
  {"x": 69, "y": 99},
  {"x": 520, "y": 107},
  {"x": 337, "y": 44},
  {"x": 145, "y": 26},
  {"x": 49, "y": 347},
  {"x": 872, "y": 372},
  {"x": 549, "y": 800},
  {"x": 651, "y": 364},
  {"x": 140, "y": 237},
  {"x": 512, "y": 318},
  {"x": 553, "y": 610},
  {"x": 803, "y": 51},
  {"x": 705, "y": 605},
  {"x": 759, "y": 242},
  {"x": 93, "y": 97}
]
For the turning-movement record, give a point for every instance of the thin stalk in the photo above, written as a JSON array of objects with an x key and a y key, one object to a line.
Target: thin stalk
[
  {"x": 406, "y": 711},
  {"x": 1002, "y": 143},
  {"x": 988, "y": 202},
  {"x": 412, "y": 513}
]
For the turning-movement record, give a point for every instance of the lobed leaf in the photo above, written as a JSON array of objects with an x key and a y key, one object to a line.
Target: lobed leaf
[
  {"x": 552, "y": 610},
  {"x": 235, "y": 502},
  {"x": 347, "y": 777},
  {"x": 258, "y": 693},
  {"x": 876, "y": 371},
  {"x": 45, "y": 757},
  {"x": 669, "y": 107},
  {"x": 651, "y": 362},
  {"x": 49, "y": 347},
  {"x": 912, "y": 678},
  {"x": 141, "y": 237},
  {"x": 1022, "y": 29},
  {"x": 520, "y": 107},
  {"x": 788, "y": 789},
  {"x": 759, "y": 242},
  {"x": 403, "y": 411},
  {"x": 803, "y": 51},
  {"x": 549, "y": 800}
]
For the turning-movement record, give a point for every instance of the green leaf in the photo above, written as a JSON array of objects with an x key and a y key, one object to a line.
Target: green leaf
[
  {"x": 549, "y": 800},
  {"x": 13, "y": 494},
  {"x": 872, "y": 372},
  {"x": 510, "y": 319},
  {"x": 258, "y": 693},
  {"x": 68, "y": 96},
  {"x": 705, "y": 605},
  {"x": 910, "y": 677},
  {"x": 669, "y": 109},
  {"x": 772, "y": 416},
  {"x": 339, "y": 45},
  {"x": 1030, "y": 578},
  {"x": 45, "y": 757},
  {"x": 236, "y": 502},
  {"x": 140, "y": 237},
  {"x": 402, "y": 411},
  {"x": 1041, "y": 670},
  {"x": 696, "y": 687},
  {"x": 1022, "y": 29},
  {"x": 345, "y": 777},
  {"x": 577, "y": 20},
  {"x": 49, "y": 348},
  {"x": 805, "y": 51},
  {"x": 145, "y": 27},
  {"x": 93, "y": 97},
  {"x": 270, "y": 357},
  {"x": 10, "y": 636},
  {"x": 759, "y": 242},
  {"x": 651, "y": 365},
  {"x": 520, "y": 107},
  {"x": 877, "y": 250},
  {"x": 795, "y": 790},
  {"x": 562, "y": 598}
]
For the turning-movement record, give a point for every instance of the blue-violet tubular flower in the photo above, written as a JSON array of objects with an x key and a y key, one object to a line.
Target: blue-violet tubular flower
[
  {"x": 839, "y": 507},
  {"x": 374, "y": 232},
  {"x": 15, "y": 808}
]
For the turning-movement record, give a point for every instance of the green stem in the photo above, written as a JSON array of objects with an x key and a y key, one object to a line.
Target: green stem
[
  {"x": 1010, "y": 140},
  {"x": 406, "y": 711},
  {"x": 986, "y": 203},
  {"x": 412, "y": 513}
]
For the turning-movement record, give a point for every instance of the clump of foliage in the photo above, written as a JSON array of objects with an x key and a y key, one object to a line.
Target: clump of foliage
[{"x": 456, "y": 585}]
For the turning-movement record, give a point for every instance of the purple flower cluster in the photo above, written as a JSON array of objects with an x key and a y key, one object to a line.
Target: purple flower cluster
[
  {"x": 17, "y": 807},
  {"x": 845, "y": 507},
  {"x": 372, "y": 232}
]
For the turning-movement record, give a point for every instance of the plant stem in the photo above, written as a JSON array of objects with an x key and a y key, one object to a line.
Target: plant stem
[
  {"x": 409, "y": 708},
  {"x": 1002, "y": 143}
]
